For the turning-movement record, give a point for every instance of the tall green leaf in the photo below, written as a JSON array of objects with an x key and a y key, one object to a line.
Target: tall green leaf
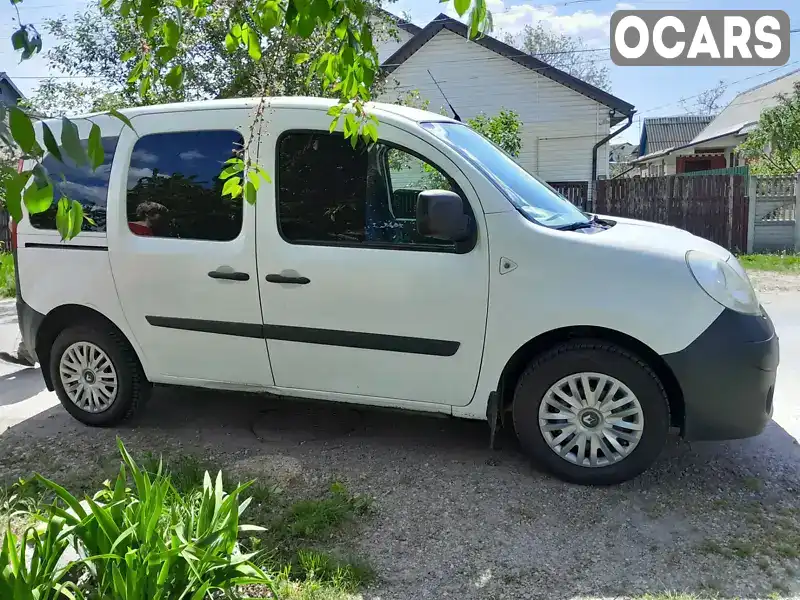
[
  {"x": 95, "y": 147},
  {"x": 50, "y": 142},
  {"x": 22, "y": 130},
  {"x": 71, "y": 142},
  {"x": 38, "y": 199}
]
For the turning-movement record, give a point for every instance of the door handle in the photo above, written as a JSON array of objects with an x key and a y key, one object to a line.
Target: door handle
[
  {"x": 278, "y": 278},
  {"x": 231, "y": 275}
]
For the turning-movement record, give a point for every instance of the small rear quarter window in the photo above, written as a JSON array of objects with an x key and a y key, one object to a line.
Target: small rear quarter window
[{"x": 80, "y": 183}]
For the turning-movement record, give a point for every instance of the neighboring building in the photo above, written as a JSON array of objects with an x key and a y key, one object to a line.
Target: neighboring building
[
  {"x": 714, "y": 147},
  {"x": 563, "y": 118},
  {"x": 620, "y": 157},
  {"x": 391, "y": 33},
  {"x": 9, "y": 93},
  {"x": 660, "y": 135}
]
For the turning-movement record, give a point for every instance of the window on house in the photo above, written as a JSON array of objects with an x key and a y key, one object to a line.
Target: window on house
[
  {"x": 329, "y": 193},
  {"x": 80, "y": 183},
  {"x": 174, "y": 189}
]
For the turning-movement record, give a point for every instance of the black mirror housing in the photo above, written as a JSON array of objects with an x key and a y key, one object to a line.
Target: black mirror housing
[{"x": 440, "y": 215}]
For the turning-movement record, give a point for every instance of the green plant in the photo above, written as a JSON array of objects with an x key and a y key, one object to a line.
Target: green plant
[
  {"x": 140, "y": 542},
  {"x": 503, "y": 129},
  {"x": 8, "y": 284}
]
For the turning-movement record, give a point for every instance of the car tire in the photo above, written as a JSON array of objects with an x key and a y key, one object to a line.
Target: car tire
[
  {"x": 110, "y": 385},
  {"x": 552, "y": 410}
]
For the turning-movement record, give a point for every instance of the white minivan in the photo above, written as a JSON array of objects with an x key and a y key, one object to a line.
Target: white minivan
[{"x": 426, "y": 272}]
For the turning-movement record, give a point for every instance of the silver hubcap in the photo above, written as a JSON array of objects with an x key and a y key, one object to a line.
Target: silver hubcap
[
  {"x": 88, "y": 377},
  {"x": 591, "y": 419}
]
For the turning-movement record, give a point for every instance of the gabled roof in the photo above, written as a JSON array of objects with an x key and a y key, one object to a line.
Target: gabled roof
[
  {"x": 399, "y": 22},
  {"x": 444, "y": 22},
  {"x": 746, "y": 108},
  {"x": 6, "y": 79},
  {"x": 661, "y": 133}
]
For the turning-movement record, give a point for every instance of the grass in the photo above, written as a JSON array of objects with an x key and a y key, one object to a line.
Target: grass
[
  {"x": 299, "y": 543},
  {"x": 788, "y": 263},
  {"x": 8, "y": 287}
]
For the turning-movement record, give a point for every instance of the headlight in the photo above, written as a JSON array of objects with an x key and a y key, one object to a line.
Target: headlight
[{"x": 721, "y": 281}]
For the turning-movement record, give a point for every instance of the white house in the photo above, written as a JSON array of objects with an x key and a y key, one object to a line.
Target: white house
[{"x": 563, "y": 117}]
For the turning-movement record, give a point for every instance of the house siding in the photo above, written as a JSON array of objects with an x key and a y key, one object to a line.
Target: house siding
[
  {"x": 386, "y": 42},
  {"x": 559, "y": 125}
]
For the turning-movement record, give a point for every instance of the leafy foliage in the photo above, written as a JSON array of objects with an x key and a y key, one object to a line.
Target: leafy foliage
[
  {"x": 562, "y": 51},
  {"x": 145, "y": 542},
  {"x": 773, "y": 147},
  {"x": 348, "y": 66},
  {"x": 503, "y": 129}
]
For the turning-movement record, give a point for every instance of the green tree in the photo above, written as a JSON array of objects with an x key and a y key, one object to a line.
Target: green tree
[
  {"x": 348, "y": 68},
  {"x": 503, "y": 129},
  {"x": 773, "y": 147},
  {"x": 565, "y": 52}
]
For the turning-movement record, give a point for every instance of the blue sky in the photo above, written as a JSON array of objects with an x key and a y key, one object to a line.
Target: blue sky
[{"x": 655, "y": 91}]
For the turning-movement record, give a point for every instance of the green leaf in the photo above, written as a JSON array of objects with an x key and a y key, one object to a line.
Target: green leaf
[
  {"x": 171, "y": 33},
  {"x": 50, "y": 142},
  {"x": 127, "y": 55},
  {"x": 302, "y": 57},
  {"x": 254, "y": 45},
  {"x": 461, "y": 6},
  {"x": 174, "y": 78},
  {"x": 38, "y": 199},
  {"x": 144, "y": 86},
  {"x": 22, "y": 129},
  {"x": 118, "y": 115},
  {"x": 232, "y": 169},
  {"x": 13, "y": 194},
  {"x": 252, "y": 176},
  {"x": 71, "y": 142},
  {"x": 250, "y": 192},
  {"x": 230, "y": 43},
  {"x": 341, "y": 27},
  {"x": 232, "y": 187},
  {"x": 263, "y": 174},
  {"x": 77, "y": 219},
  {"x": 95, "y": 147}
]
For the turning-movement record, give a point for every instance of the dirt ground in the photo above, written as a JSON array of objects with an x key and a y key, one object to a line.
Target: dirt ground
[{"x": 453, "y": 519}]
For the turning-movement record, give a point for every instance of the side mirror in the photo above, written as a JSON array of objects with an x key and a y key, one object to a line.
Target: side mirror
[{"x": 440, "y": 215}]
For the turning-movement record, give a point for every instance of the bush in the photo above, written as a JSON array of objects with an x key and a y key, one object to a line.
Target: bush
[
  {"x": 139, "y": 542},
  {"x": 8, "y": 287}
]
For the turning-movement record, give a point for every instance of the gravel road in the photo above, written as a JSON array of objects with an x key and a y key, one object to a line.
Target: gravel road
[{"x": 455, "y": 520}]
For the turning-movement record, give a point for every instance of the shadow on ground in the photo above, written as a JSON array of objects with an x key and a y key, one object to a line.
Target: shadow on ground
[
  {"x": 454, "y": 519},
  {"x": 20, "y": 385}
]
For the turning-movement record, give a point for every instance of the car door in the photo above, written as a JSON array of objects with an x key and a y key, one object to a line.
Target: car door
[
  {"x": 182, "y": 254},
  {"x": 355, "y": 301}
]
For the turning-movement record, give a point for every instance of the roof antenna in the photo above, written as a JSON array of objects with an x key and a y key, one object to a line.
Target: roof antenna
[{"x": 455, "y": 114}]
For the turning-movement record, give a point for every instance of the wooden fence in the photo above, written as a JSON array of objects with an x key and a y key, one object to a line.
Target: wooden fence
[
  {"x": 576, "y": 192},
  {"x": 711, "y": 206},
  {"x": 773, "y": 214}
]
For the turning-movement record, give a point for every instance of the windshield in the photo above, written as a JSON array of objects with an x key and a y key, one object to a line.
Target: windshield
[{"x": 533, "y": 198}]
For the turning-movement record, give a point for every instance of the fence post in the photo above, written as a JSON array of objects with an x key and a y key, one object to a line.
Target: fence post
[
  {"x": 752, "y": 190},
  {"x": 797, "y": 213},
  {"x": 729, "y": 223}
]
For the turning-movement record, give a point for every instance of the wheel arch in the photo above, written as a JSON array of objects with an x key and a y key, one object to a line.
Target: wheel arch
[
  {"x": 61, "y": 317},
  {"x": 543, "y": 342}
]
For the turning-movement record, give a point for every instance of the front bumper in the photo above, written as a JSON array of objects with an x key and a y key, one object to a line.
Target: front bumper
[{"x": 727, "y": 376}]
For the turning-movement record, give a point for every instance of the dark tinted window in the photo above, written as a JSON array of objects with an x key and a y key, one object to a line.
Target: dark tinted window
[
  {"x": 330, "y": 193},
  {"x": 88, "y": 187},
  {"x": 174, "y": 188}
]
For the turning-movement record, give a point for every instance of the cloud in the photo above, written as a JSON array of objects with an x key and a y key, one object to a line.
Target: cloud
[
  {"x": 145, "y": 157},
  {"x": 71, "y": 189},
  {"x": 625, "y": 6},
  {"x": 191, "y": 155},
  {"x": 593, "y": 27},
  {"x": 137, "y": 173}
]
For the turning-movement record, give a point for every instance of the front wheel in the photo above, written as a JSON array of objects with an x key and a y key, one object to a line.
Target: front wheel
[
  {"x": 591, "y": 412},
  {"x": 96, "y": 375}
]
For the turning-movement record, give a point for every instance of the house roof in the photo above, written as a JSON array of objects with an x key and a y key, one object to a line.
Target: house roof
[
  {"x": 6, "y": 79},
  {"x": 662, "y": 133},
  {"x": 526, "y": 60},
  {"x": 401, "y": 23},
  {"x": 745, "y": 109}
]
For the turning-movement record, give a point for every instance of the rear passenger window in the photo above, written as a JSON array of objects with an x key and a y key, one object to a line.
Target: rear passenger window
[
  {"x": 80, "y": 183},
  {"x": 174, "y": 188}
]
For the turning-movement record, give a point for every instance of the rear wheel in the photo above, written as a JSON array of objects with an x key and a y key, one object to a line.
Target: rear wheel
[
  {"x": 96, "y": 375},
  {"x": 591, "y": 412}
]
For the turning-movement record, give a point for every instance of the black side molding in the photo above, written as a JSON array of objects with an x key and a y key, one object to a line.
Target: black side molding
[
  {"x": 309, "y": 335},
  {"x": 249, "y": 330},
  {"x": 66, "y": 246}
]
